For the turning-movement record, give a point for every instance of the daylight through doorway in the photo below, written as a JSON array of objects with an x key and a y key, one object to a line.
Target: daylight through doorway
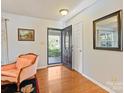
[{"x": 54, "y": 46}]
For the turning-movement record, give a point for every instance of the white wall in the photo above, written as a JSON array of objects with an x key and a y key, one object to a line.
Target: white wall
[
  {"x": 100, "y": 65},
  {"x": 39, "y": 46}
]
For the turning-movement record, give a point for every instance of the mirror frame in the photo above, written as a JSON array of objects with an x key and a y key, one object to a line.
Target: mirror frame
[{"x": 119, "y": 23}]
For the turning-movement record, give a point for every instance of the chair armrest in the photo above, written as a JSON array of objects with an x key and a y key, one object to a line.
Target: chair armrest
[
  {"x": 8, "y": 66},
  {"x": 28, "y": 71}
]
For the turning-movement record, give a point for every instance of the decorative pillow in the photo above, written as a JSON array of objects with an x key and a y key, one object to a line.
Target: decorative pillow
[{"x": 23, "y": 62}]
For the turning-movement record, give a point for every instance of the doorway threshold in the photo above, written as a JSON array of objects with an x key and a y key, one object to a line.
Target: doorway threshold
[{"x": 52, "y": 65}]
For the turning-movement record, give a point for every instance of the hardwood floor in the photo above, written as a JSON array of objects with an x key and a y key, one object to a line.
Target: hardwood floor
[{"x": 60, "y": 79}]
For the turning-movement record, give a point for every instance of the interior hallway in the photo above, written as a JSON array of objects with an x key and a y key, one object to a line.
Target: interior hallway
[{"x": 59, "y": 79}]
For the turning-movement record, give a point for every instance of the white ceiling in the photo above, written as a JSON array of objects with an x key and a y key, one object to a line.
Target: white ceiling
[{"x": 48, "y": 9}]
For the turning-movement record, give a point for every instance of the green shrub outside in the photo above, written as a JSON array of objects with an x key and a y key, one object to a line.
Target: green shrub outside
[{"x": 54, "y": 52}]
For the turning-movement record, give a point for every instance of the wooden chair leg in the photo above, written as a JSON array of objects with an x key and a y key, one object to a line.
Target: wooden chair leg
[{"x": 18, "y": 87}]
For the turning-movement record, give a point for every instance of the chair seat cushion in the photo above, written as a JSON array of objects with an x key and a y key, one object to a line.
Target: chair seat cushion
[
  {"x": 10, "y": 73},
  {"x": 8, "y": 67}
]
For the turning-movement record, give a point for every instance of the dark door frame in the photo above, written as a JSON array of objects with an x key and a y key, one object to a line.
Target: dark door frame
[{"x": 48, "y": 45}]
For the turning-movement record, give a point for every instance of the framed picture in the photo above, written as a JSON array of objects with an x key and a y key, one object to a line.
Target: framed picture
[{"x": 26, "y": 34}]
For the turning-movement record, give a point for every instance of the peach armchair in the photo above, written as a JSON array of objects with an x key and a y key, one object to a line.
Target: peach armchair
[{"x": 25, "y": 67}]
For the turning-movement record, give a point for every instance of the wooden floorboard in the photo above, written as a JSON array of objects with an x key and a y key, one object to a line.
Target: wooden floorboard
[{"x": 60, "y": 79}]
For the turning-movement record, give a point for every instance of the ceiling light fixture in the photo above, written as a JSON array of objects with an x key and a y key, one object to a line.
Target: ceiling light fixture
[{"x": 64, "y": 12}]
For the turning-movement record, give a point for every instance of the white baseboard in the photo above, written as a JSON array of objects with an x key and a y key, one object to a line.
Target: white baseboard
[
  {"x": 99, "y": 84},
  {"x": 42, "y": 67}
]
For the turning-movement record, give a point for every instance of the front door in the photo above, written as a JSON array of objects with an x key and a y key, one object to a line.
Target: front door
[{"x": 67, "y": 46}]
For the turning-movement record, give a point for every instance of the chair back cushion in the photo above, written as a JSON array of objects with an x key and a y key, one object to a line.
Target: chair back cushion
[
  {"x": 30, "y": 57},
  {"x": 23, "y": 62}
]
